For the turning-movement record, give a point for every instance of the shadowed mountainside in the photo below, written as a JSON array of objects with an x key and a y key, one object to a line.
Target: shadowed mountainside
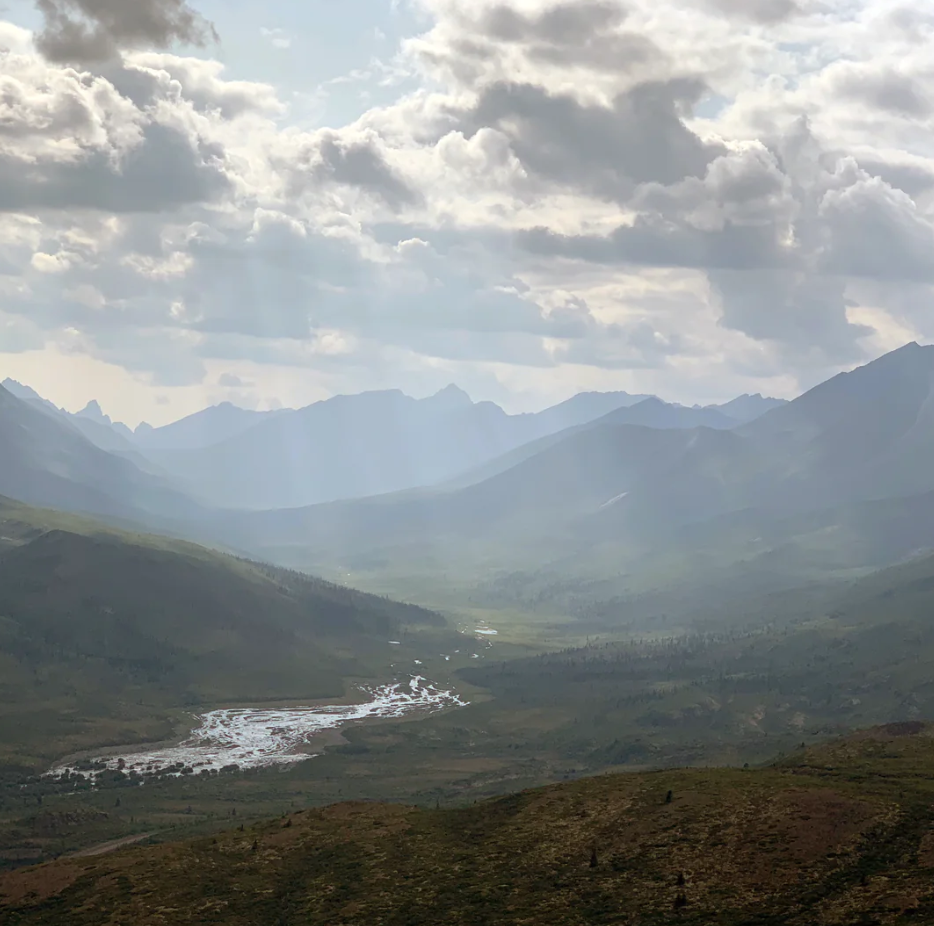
[
  {"x": 103, "y": 635},
  {"x": 608, "y": 491}
]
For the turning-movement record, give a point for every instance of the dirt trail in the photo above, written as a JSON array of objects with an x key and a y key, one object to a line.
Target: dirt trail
[{"x": 111, "y": 846}]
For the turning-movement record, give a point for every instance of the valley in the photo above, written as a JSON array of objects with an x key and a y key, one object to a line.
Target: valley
[
  {"x": 650, "y": 588},
  {"x": 248, "y": 738}
]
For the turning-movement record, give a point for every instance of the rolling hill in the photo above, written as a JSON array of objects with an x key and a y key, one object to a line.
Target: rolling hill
[{"x": 841, "y": 833}]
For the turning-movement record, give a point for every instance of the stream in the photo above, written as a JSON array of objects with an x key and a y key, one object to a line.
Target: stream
[{"x": 256, "y": 738}]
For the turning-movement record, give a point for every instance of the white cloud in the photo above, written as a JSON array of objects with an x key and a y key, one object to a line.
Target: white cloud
[
  {"x": 278, "y": 38},
  {"x": 590, "y": 190}
]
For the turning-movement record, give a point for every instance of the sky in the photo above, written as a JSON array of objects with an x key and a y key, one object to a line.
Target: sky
[{"x": 210, "y": 200}]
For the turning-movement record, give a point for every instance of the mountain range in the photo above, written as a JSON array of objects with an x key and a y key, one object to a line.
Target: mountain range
[
  {"x": 723, "y": 564},
  {"x": 401, "y": 486},
  {"x": 849, "y": 452},
  {"x": 354, "y": 446},
  {"x": 47, "y": 459}
]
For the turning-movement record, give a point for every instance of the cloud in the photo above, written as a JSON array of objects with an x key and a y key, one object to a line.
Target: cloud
[
  {"x": 631, "y": 189},
  {"x": 877, "y": 232},
  {"x": 232, "y": 381},
  {"x": 884, "y": 86},
  {"x": 74, "y": 141},
  {"x": 94, "y": 31},
  {"x": 278, "y": 38},
  {"x": 359, "y": 163},
  {"x": 602, "y": 150},
  {"x": 767, "y": 12},
  {"x": 583, "y": 33},
  {"x": 804, "y": 314}
]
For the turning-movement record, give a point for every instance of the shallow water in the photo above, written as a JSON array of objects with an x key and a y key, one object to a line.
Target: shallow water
[{"x": 253, "y": 738}]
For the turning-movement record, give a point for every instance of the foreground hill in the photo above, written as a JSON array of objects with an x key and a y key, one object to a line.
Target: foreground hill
[
  {"x": 837, "y": 834},
  {"x": 106, "y": 636}
]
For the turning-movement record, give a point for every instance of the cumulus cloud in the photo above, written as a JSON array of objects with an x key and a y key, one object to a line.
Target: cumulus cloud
[
  {"x": 592, "y": 185},
  {"x": 73, "y": 140},
  {"x": 760, "y": 11},
  {"x": 604, "y": 150},
  {"x": 278, "y": 38},
  {"x": 93, "y": 31},
  {"x": 232, "y": 381}
]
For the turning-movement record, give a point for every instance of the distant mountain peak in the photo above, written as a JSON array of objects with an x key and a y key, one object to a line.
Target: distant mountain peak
[
  {"x": 451, "y": 397},
  {"x": 912, "y": 352},
  {"x": 26, "y": 393},
  {"x": 19, "y": 390},
  {"x": 908, "y": 359},
  {"x": 93, "y": 410}
]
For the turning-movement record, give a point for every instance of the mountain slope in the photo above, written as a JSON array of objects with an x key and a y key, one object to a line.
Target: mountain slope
[
  {"x": 104, "y": 634},
  {"x": 376, "y": 443},
  {"x": 346, "y": 447},
  {"x": 357, "y": 446},
  {"x": 538, "y": 501},
  {"x": 748, "y": 407},
  {"x": 584, "y": 407},
  {"x": 867, "y": 433},
  {"x": 202, "y": 429},
  {"x": 27, "y": 394},
  {"x": 90, "y": 421},
  {"x": 654, "y": 413},
  {"x": 46, "y": 461},
  {"x": 837, "y": 834},
  {"x": 633, "y": 491}
]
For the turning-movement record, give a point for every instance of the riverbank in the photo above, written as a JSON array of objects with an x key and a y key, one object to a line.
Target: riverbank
[{"x": 245, "y": 738}]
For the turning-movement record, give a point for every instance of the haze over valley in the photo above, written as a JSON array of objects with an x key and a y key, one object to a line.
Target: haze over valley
[{"x": 466, "y": 463}]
